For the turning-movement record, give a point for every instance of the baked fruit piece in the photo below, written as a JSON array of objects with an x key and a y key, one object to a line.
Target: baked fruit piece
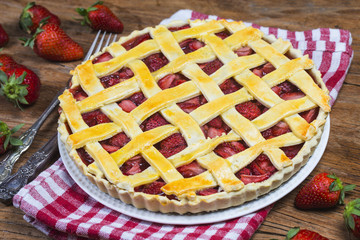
[{"x": 193, "y": 117}]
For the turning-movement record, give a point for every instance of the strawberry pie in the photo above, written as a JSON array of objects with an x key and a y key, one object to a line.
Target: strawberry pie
[{"x": 193, "y": 116}]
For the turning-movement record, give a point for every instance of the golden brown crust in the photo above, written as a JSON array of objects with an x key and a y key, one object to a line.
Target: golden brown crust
[{"x": 105, "y": 173}]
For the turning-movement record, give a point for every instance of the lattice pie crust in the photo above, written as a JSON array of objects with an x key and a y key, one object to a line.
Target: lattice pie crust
[{"x": 219, "y": 172}]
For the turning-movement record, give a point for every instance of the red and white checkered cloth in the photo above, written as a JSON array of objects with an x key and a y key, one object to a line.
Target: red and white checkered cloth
[{"x": 55, "y": 204}]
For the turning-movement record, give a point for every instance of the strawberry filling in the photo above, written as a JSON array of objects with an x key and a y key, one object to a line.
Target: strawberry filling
[
  {"x": 279, "y": 129},
  {"x": 257, "y": 171},
  {"x": 115, "y": 143},
  {"x": 95, "y": 117},
  {"x": 215, "y": 128},
  {"x": 208, "y": 191},
  {"x": 132, "y": 102},
  {"x": 174, "y": 29},
  {"x": 135, "y": 41},
  {"x": 244, "y": 51},
  {"x": 230, "y": 86},
  {"x": 191, "y": 45},
  {"x": 134, "y": 165},
  {"x": 78, "y": 93},
  {"x": 227, "y": 149},
  {"x": 155, "y": 61},
  {"x": 190, "y": 170},
  {"x": 193, "y": 103},
  {"x": 211, "y": 67},
  {"x": 152, "y": 188},
  {"x": 292, "y": 151},
  {"x": 250, "y": 109},
  {"x": 171, "y": 145},
  {"x": 223, "y": 34},
  {"x": 263, "y": 69},
  {"x": 154, "y": 121},
  {"x": 285, "y": 87},
  {"x": 85, "y": 157},
  {"x": 117, "y": 77},
  {"x": 106, "y": 56},
  {"x": 172, "y": 80}
]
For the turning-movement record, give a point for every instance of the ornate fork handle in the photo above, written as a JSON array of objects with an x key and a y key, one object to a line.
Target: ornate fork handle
[
  {"x": 34, "y": 165},
  {"x": 7, "y": 164}
]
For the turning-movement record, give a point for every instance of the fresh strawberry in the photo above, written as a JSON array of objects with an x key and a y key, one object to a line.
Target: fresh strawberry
[
  {"x": 4, "y": 37},
  {"x": 156, "y": 120},
  {"x": 20, "y": 85},
  {"x": 249, "y": 110},
  {"x": 303, "y": 234},
  {"x": 7, "y": 63},
  {"x": 52, "y": 43},
  {"x": 323, "y": 191},
  {"x": 190, "y": 170},
  {"x": 32, "y": 15},
  {"x": 6, "y": 137},
  {"x": 352, "y": 217},
  {"x": 100, "y": 17}
]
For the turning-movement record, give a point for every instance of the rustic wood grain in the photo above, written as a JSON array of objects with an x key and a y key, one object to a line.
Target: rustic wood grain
[{"x": 343, "y": 150}]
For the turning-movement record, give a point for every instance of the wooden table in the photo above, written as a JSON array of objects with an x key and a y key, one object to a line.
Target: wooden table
[{"x": 343, "y": 150}]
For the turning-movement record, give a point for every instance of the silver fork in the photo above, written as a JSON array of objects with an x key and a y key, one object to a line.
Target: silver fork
[{"x": 10, "y": 184}]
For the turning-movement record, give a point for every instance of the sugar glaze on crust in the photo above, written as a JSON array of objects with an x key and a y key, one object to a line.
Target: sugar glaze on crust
[{"x": 105, "y": 173}]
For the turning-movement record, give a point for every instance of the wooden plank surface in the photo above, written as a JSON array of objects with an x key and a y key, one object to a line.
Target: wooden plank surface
[{"x": 343, "y": 150}]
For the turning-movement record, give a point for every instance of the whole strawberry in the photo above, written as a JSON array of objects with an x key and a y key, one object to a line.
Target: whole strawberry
[
  {"x": 4, "y": 37},
  {"x": 303, "y": 234},
  {"x": 52, "y": 43},
  {"x": 7, "y": 63},
  {"x": 323, "y": 191},
  {"x": 20, "y": 86},
  {"x": 6, "y": 137},
  {"x": 32, "y": 15},
  {"x": 100, "y": 17},
  {"x": 352, "y": 217}
]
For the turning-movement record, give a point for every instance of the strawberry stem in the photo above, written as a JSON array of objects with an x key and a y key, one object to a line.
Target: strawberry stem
[
  {"x": 5, "y": 131},
  {"x": 13, "y": 89},
  {"x": 337, "y": 185},
  {"x": 352, "y": 207}
]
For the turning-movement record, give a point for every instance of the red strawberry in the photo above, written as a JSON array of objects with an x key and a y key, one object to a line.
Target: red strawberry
[
  {"x": 352, "y": 217},
  {"x": 4, "y": 37},
  {"x": 190, "y": 170},
  {"x": 292, "y": 95},
  {"x": 268, "y": 68},
  {"x": 323, "y": 191},
  {"x": 20, "y": 85},
  {"x": 292, "y": 151},
  {"x": 100, "y": 17},
  {"x": 32, "y": 15},
  {"x": 119, "y": 140},
  {"x": 246, "y": 179},
  {"x": 216, "y": 122},
  {"x": 310, "y": 115},
  {"x": 6, "y": 137},
  {"x": 78, "y": 93},
  {"x": 52, "y": 43},
  {"x": 95, "y": 117},
  {"x": 249, "y": 110},
  {"x": 85, "y": 157},
  {"x": 228, "y": 149},
  {"x": 138, "y": 98},
  {"x": 303, "y": 234},
  {"x": 127, "y": 105},
  {"x": 134, "y": 165},
  {"x": 168, "y": 152},
  {"x": 7, "y": 63},
  {"x": 155, "y": 121}
]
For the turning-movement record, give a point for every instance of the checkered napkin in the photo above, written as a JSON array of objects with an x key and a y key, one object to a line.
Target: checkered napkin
[{"x": 57, "y": 206}]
